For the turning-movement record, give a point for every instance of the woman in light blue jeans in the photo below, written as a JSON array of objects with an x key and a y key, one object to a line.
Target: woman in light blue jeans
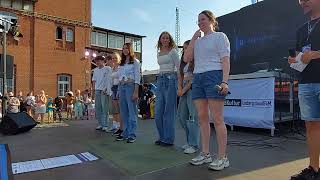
[
  {"x": 187, "y": 114},
  {"x": 129, "y": 77},
  {"x": 166, "y": 93}
]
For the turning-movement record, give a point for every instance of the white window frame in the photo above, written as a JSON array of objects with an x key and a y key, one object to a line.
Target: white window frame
[
  {"x": 20, "y": 2},
  {"x": 95, "y": 40},
  {"x": 63, "y": 83},
  {"x": 118, "y": 46},
  {"x": 28, "y": 4},
  {"x": 99, "y": 39},
  {"x": 133, "y": 40},
  {"x": 68, "y": 37},
  {"x": 7, "y": 5}
]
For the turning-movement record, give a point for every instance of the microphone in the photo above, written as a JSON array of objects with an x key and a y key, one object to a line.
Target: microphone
[{"x": 219, "y": 88}]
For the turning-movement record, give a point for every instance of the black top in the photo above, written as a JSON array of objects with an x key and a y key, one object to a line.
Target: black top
[
  {"x": 311, "y": 73},
  {"x": 146, "y": 95}
]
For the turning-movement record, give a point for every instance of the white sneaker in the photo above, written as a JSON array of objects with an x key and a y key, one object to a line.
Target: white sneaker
[
  {"x": 98, "y": 127},
  {"x": 190, "y": 150},
  {"x": 202, "y": 158},
  {"x": 104, "y": 129},
  {"x": 186, "y": 146},
  {"x": 219, "y": 164}
]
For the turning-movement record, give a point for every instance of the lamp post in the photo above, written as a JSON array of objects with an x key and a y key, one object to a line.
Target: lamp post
[{"x": 6, "y": 25}]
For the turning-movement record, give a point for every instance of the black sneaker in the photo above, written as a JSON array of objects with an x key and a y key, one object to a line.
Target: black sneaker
[
  {"x": 165, "y": 144},
  {"x": 131, "y": 140},
  {"x": 306, "y": 174},
  {"x": 120, "y": 138},
  {"x": 117, "y": 133},
  {"x": 157, "y": 142}
]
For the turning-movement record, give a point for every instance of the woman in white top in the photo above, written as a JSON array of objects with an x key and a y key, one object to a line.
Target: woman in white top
[
  {"x": 166, "y": 93},
  {"x": 211, "y": 55},
  {"x": 129, "y": 77},
  {"x": 116, "y": 60}
]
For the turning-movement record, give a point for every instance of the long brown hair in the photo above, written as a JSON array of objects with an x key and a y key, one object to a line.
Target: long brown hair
[
  {"x": 212, "y": 18},
  {"x": 131, "y": 54},
  {"x": 172, "y": 44},
  {"x": 183, "y": 64}
]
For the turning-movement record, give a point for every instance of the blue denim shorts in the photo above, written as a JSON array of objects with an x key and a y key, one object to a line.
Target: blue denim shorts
[
  {"x": 309, "y": 101},
  {"x": 203, "y": 85},
  {"x": 115, "y": 92}
]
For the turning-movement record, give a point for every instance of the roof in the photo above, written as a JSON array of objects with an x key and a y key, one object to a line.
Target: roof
[{"x": 117, "y": 32}]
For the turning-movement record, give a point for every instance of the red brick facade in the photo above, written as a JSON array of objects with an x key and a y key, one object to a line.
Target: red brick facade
[{"x": 39, "y": 57}]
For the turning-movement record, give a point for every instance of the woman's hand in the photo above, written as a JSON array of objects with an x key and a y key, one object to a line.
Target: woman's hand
[
  {"x": 135, "y": 95},
  {"x": 179, "y": 92},
  {"x": 197, "y": 34}
]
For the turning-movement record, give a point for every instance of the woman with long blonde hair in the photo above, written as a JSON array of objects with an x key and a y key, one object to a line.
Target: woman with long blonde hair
[{"x": 166, "y": 93}]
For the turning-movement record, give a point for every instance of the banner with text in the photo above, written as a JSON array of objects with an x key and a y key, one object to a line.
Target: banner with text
[{"x": 251, "y": 103}]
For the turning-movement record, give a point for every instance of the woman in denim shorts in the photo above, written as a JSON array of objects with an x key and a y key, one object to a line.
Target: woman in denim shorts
[
  {"x": 116, "y": 59},
  {"x": 211, "y": 55}
]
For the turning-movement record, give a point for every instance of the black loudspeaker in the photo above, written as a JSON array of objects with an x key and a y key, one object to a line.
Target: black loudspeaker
[{"x": 15, "y": 123}]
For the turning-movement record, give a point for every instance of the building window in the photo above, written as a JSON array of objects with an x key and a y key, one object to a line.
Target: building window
[
  {"x": 28, "y": 5},
  {"x": 136, "y": 43},
  {"x": 59, "y": 33},
  {"x": 69, "y": 35},
  {"x": 17, "y": 4},
  {"x": 10, "y": 85},
  {"x": 64, "y": 84},
  {"x": 6, "y": 3},
  {"x": 99, "y": 39},
  {"x": 93, "y": 38},
  {"x": 115, "y": 41}
]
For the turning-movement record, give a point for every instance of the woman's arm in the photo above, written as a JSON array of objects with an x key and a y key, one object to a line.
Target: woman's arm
[
  {"x": 137, "y": 79},
  {"x": 189, "y": 53}
]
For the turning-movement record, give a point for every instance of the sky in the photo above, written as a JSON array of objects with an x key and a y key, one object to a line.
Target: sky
[{"x": 151, "y": 17}]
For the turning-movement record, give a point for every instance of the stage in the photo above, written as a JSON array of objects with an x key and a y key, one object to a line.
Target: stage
[{"x": 253, "y": 155}]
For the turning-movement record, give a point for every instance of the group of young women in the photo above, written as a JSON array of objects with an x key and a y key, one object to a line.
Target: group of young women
[
  {"x": 119, "y": 80},
  {"x": 205, "y": 63}
]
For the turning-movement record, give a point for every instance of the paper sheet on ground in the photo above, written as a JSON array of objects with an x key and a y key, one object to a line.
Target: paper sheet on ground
[{"x": 49, "y": 163}]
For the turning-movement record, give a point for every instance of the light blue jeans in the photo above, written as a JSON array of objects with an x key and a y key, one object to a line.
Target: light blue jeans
[
  {"x": 188, "y": 118},
  {"x": 101, "y": 108},
  {"x": 128, "y": 110},
  {"x": 166, "y": 107}
]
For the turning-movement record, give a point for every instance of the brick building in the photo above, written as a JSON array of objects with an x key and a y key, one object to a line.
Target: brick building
[{"x": 55, "y": 34}]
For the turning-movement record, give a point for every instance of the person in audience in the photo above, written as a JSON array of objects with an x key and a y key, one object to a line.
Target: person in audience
[{"x": 13, "y": 103}]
